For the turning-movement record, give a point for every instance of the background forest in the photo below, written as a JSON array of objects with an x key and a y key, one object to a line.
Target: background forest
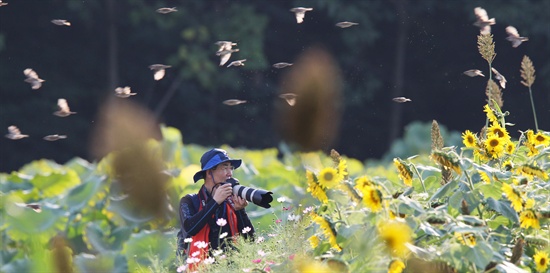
[{"x": 416, "y": 49}]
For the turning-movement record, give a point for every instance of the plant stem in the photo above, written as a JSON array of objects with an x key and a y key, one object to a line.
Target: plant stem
[
  {"x": 420, "y": 178},
  {"x": 471, "y": 184},
  {"x": 533, "y": 107}
]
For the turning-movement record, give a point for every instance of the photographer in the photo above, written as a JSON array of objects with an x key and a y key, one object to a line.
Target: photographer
[{"x": 200, "y": 213}]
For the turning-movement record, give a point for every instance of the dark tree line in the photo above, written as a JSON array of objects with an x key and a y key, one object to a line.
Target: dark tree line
[{"x": 416, "y": 49}]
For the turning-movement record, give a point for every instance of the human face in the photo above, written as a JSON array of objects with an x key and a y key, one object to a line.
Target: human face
[{"x": 222, "y": 172}]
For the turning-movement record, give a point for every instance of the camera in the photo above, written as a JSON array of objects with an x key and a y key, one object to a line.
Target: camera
[{"x": 259, "y": 197}]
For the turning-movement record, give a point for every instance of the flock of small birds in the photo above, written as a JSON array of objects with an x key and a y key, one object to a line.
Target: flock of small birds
[
  {"x": 484, "y": 24},
  {"x": 225, "y": 50}
]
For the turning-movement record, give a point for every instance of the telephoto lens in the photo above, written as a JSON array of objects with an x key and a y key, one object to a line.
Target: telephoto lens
[{"x": 259, "y": 197}]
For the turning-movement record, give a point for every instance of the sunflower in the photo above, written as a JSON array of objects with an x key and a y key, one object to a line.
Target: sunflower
[
  {"x": 490, "y": 113},
  {"x": 541, "y": 139},
  {"x": 532, "y": 149},
  {"x": 372, "y": 198},
  {"x": 494, "y": 146},
  {"x": 316, "y": 190},
  {"x": 469, "y": 139},
  {"x": 541, "y": 260},
  {"x": 528, "y": 218},
  {"x": 509, "y": 147},
  {"x": 395, "y": 235},
  {"x": 484, "y": 177},
  {"x": 396, "y": 266},
  {"x": 496, "y": 130},
  {"x": 362, "y": 182},
  {"x": 531, "y": 170},
  {"x": 313, "y": 241},
  {"x": 343, "y": 168},
  {"x": 328, "y": 231},
  {"x": 329, "y": 178},
  {"x": 466, "y": 238},
  {"x": 446, "y": 161},
  {"x": 405, "y": 173},
  {"x": 514, "y": 196},
  {"x": 481, "y": 155}
]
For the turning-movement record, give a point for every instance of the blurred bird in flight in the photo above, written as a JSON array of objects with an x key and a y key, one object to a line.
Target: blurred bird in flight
[
  {"x": 401, "y": 99},
  {"x": 14, "y": 133},
  {"x": 281, "y": 65},
  {"x": 474, "y": 73},
  {"x": 499, "y": 77},
  {"x": 345, "y": 24},
  {"x": 54, "y": 137},
  {"x": 225, "y": 55},
  {"x": 33, "y": 79},
  {"x": 63, "y": 108},
  {"x": 483, "y": 21},
  {"x": 233, "y": 102},
  {"x": 61, "y": 22},
  {"x": 166, "y": 10},
  {"x": 124, "y": 92},
  {"x": 300, "y": 13},
  {"x": 290, "y": 98},
  {"x": 237, "y": 63},
  {"x": 513, "y": 36},
  {"x": 160, "y": 70}
]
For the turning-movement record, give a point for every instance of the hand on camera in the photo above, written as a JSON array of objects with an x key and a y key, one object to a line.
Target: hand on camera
[
  {"x": 222, "y": 192},
  {"x": 240, "y": 203}
]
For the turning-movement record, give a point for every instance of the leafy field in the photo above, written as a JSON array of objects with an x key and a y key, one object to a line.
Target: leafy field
[{"x": 480, "y": 207}]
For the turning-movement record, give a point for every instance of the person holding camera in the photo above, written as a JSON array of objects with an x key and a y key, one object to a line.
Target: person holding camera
[{"x": 212, "y": 217}]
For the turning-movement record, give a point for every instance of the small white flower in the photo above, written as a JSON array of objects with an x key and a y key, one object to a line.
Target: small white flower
[
  {"x": 308, "y": 210},
  {"x": 221, "y": 222},
  {"x": 182, "y": 268},
  {"x": 271, "y": 235},
  {"x": 292, "y": 217},
  {"x": 247, "y": 270},
  {"x": 217, "y": 252},
  {"x": 223, "y": 235},
  {"x": 209, "y": 260},
  {"x": 261, "y": 253},
  {"x": 201, "y": 244},
  {"x": 246, "y": 230},
  {"x": 195, "y": 254},
  {"x": 281, "y": 199},
  {"x": 260, "y": 239},
  {"x": 193, "y": 260},
  {"x": 223, "y": 257},
  {"x": 188, "y": 240}
]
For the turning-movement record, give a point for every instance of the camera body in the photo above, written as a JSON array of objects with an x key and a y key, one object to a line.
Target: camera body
[{"x": 259, "y": 197}]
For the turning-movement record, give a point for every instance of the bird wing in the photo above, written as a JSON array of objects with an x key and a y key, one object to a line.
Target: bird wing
[
  {"x": 159, "y": 74},
  {"x": 481, "y": 14},
  {"x": 224, "y": 58},
  {"x": 63, "y": 105},
  {"x": 512, "y": 31},
  {"x": 300, "y": 16},
  {"x": 30, "y": 73}
]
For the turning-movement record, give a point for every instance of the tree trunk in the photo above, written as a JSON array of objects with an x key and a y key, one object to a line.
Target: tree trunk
[{"x": 399, "y": 72}]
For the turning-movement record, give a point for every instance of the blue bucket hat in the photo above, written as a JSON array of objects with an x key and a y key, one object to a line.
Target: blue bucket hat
[{"x": 211, "y": 159}]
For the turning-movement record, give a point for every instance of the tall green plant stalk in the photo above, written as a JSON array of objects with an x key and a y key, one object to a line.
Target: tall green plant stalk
[{"x": 528, "y": 75}]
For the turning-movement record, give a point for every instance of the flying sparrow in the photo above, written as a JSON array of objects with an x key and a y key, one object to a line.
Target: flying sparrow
[
  {"x": 3, "y": 4},
  {"x": 166, "y": 10},
  {"x": 499, "y": 77},
  {"x": 54, "y": 137},
  {"x": 483, "y": 21},
  {"x": 401, "y": 99},
  {"x": 513, "y": 36},
  {"x": 346, "y": 24},
  {"x": 290, "y": 98},
  {"x": 237, "y": 63},
  {"x": 233, "y": 102},
  {"x": 61, "y": 22},
  {"x": 474, "y": 72},
  {"x": 124, "y": 92},
  {"x": 33, "y": 78},
  {"x": 64, "y": 109},
  {"x": 14, "y": 133},
  {"x": 281, "y": 65},
  {"x": 300, "y": 13},
  {"x": 160, "y": 70}
]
